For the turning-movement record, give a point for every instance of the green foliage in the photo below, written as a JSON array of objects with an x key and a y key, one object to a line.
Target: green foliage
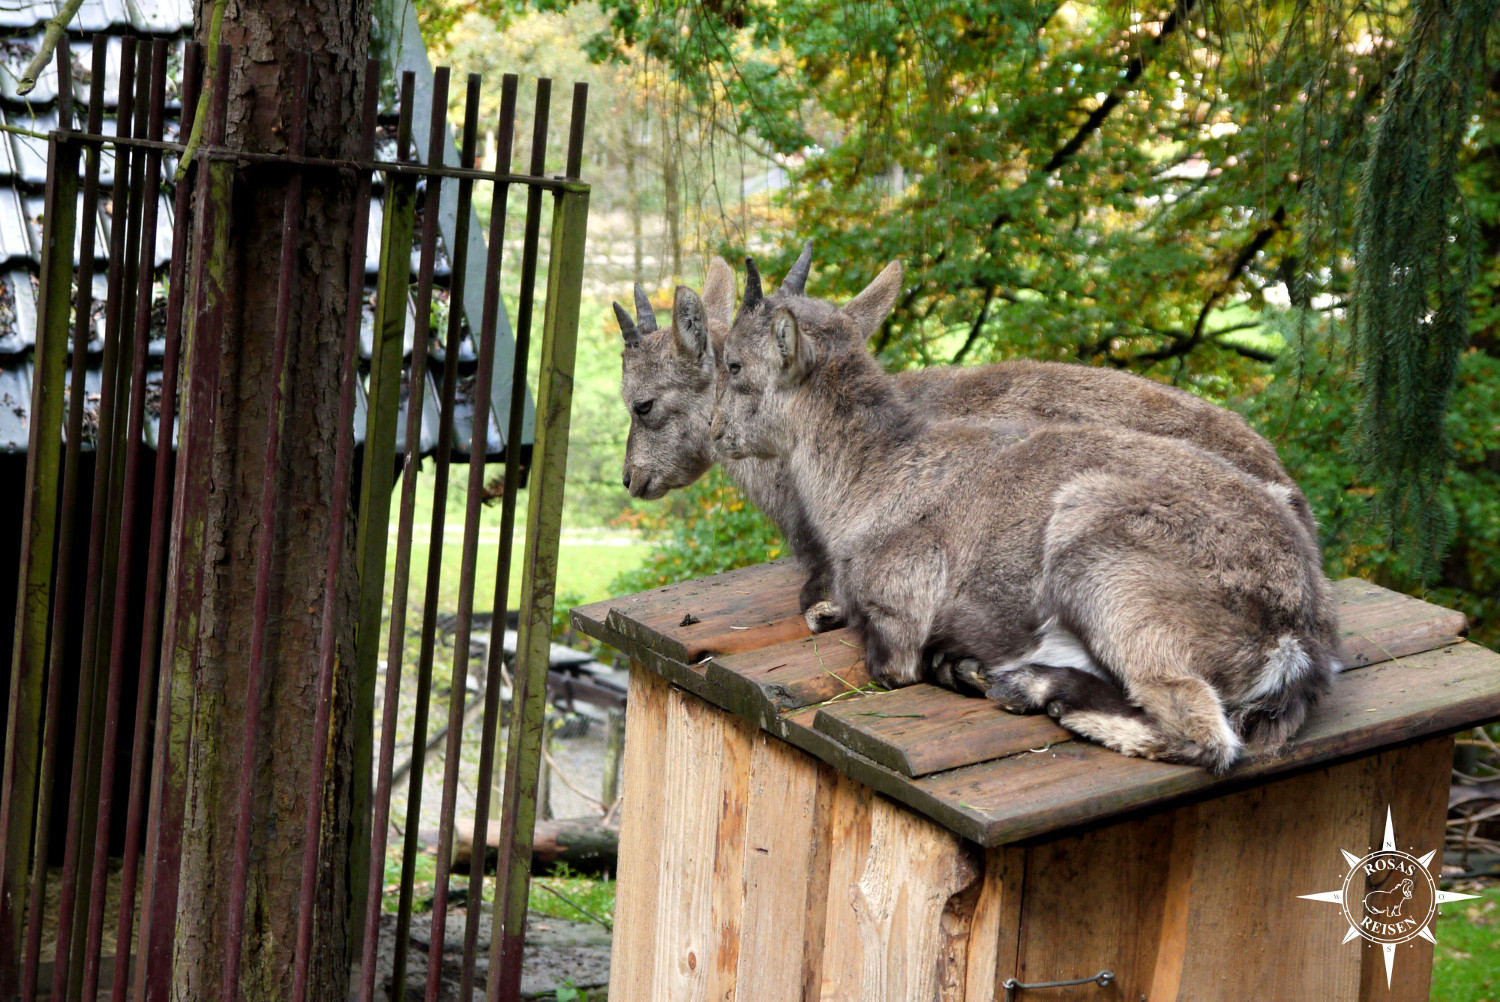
[
  {"x": 1105, "y": 182},
  {"x": 1412, "y": 281},
  {"x": 1313, "y": 421},
  {"x": 705, "y": 529}
]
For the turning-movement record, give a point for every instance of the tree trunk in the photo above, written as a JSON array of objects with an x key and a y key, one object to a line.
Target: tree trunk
[
  {"x": 669, "y": 180},
  {"x": 632, "y": 194},
  {"x": 264, "y": 38}
]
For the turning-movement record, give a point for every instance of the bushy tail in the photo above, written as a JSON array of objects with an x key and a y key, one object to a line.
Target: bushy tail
[{"x": 1296, "y": 673}]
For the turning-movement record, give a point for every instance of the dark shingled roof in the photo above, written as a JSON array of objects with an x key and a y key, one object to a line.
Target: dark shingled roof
[{"x": 23, "y": 175}]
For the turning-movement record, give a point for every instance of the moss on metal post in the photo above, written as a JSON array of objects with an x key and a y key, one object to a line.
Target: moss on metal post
[
  {"x": 377, "y": 482},
  {"x": 33, "y": 607},
  {"x": 538, "y": 587}
]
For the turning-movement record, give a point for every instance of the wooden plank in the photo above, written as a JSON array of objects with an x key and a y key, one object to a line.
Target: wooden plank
[
  {"x": 641, "y": 819},
  {"x": 1377, "y": 624},
  {"x": 701, "y": 794},
  {"x": 1255, "y": 852},
  {"x": 994, "y": 935},
  {"x": 1164, "y": 974},
  {"x": 1000, "y": 800},
  {"x": 790, "y": 675},
  {"x": 1411, "y": 782},
  {"x": 1094, "y": 902},
  {"x": 785, "y": 876},
  {"x": 1432, "y": 693},
  {"x": 692, "y": 619},
  {"x": 924, "y": 729},
  {"x": 901, "y": 895}
]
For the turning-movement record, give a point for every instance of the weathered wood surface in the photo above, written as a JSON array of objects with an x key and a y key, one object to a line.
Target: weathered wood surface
[
  {"x": 752, "y": 871},
  {"x": 690, "y": 620},
  {"x": 997, "y": 778}
]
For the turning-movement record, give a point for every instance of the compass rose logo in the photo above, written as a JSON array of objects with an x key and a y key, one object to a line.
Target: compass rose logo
[{"x": 1388, "y": 896}]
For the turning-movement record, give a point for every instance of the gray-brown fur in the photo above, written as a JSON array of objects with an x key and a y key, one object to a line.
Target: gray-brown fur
[
  {"x": 1147, "y": 593},
  {"x": 669, "y": 446}
]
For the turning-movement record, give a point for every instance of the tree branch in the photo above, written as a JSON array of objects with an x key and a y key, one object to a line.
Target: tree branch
[
  {"x": 1133, "y": 70},
  {"x": 984, "y": 308},
  {"x": 56, "y": 28}
]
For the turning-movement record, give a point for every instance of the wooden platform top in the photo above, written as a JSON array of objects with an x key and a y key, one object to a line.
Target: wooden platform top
[{"x": 737, "y": 640}]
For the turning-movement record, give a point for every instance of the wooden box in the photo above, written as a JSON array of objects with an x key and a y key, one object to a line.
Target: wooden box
[{"x": 790, "y": 833}]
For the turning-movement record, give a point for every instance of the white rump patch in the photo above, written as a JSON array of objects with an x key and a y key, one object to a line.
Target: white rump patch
[
  {"x": 1286, "y": 663},
  {"x": 1057, "y": 647},
  {"x": 1281, "y": 492}
]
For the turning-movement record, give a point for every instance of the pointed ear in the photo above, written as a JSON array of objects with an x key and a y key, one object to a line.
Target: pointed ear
[
  {"x": 718, "y": 293},
  {"x": 786, "y": 338},
  {"x": 869, "y": 309},
  {"x": 690, "y": 323}
]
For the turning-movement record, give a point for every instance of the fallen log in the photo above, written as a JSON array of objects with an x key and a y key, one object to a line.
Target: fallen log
[{"x": 586, "y": 844}]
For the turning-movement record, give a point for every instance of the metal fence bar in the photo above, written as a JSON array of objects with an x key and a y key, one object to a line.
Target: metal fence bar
[
  {"x": 538, "y": 583},
  {"x": 368, "y": 925},
  {"x": 447, "y": 406},
  {"x": 338, "y": 512},
  {"x": 266, "y": 545},
  {"x": 214, "y": 151},
  {"x": 103, "y": 451},
  {"x": 173, "y": 557},
  {"x": 156, "y": 553},
  {"x": 135, "y": 422},
  {"x": 512, "y": 481},
  {"x": 212, "y": 195},
  {"x": 383, "y": 403},
  {"x": 544, "y": 526},
  {"x": 478, "y": 447},
  {"x": 63, "y": 588},
  {"x": 114, "y": 537},
  {"x": 24, "y": 733}
]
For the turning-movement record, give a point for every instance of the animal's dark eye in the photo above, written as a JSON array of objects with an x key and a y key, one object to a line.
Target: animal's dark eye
[
  {"x": 644, "y": 407},
  {"x": 734, "y": 368}
]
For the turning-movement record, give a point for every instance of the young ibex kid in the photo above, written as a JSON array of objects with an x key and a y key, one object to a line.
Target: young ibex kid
[
  {"x": 668, "y": 388},
  {"x": 1144, "y": 592}
]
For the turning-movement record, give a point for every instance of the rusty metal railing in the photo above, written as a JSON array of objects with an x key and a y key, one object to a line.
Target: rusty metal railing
[{"x": 47, "y": 680}]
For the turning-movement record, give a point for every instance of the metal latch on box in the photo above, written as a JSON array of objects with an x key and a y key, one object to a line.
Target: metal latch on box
[{"x": 1012, "y": 986}]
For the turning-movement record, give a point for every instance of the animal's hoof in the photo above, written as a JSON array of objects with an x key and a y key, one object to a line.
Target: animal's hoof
[
  {"x": 971, "y": 672},
  {"x": 823, "y": 616},
  {"x": 1056, "y": 709},
  {"x": 1016, "y": 690}
]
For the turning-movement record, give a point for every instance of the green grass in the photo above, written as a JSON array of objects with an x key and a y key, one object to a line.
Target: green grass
[
  {"x": 590, "y": 556},
  {"x": 1466, "y": 963},
  {"x": 588, "y": 899}
]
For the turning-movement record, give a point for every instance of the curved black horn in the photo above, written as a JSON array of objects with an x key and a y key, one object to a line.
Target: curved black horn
[
  {"x": 627, "y": 327},
  {"x": 752, "y": 287},
  {"x": 644, "y": 316},
  {"x": 796, "y": 279}
]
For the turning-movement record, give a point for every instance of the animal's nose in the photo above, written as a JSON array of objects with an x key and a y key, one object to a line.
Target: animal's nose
[{"x": 626, "y": 480}]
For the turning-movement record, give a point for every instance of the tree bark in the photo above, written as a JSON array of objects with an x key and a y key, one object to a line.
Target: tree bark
[
  {"x": 587, "y": 845},
  {"x": 263, "y": 38}
]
